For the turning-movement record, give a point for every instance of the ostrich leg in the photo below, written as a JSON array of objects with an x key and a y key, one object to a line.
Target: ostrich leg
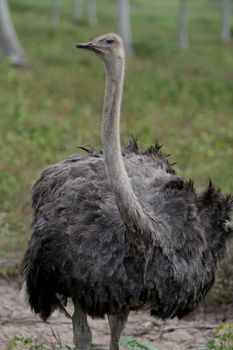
[
  {"x": 116, "y": 324},
  {"x": 81, "y": 329}
]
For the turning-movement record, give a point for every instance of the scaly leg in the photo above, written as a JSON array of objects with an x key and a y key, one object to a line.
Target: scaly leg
[
  {"x": 81, "y": 329},
  {"x": 116, "y": 324}
]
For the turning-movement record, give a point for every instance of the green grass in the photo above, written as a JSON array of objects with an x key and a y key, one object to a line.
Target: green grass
[{"x": 185, "y": 100}]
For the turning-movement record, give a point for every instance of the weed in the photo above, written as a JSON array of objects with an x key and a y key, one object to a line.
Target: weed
[
  {"x": 133, "y": 343},
  {"x": 24, "y": 343},
  {"x": 19, "y": 342},
  {"x": 222, "y": 339}
]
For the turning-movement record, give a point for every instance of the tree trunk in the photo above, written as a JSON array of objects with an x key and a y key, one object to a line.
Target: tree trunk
[
  {"x": 91, "y": 12},
  {"x": 54, "y": 13},
  {"x": 123, "y": 24},
  {"x": 182, "y": 25},
  {"x": 9, "y": 43},
  {"x": 76, "y": 10},
  {"x": 225, "y": 25}
]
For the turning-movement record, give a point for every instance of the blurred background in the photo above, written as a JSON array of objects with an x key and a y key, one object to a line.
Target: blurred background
[{"x": 178, "y": 90}]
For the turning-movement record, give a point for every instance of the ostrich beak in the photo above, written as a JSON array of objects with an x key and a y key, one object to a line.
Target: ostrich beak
[{"x": 90, "y": 45}]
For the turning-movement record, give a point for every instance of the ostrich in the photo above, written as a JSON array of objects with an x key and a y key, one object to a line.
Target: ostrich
[{"x": 116, "y": 231}]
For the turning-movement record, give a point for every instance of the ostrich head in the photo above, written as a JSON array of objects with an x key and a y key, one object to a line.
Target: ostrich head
[{"x": 109, "y": 47}]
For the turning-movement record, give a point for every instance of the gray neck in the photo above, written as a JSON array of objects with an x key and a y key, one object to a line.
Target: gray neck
[{"x": 130, "y": 209}]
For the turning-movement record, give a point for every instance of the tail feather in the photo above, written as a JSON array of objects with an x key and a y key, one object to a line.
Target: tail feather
[
  {"x": 46, "y": 285},
  {"x": 216, "y": 209}
]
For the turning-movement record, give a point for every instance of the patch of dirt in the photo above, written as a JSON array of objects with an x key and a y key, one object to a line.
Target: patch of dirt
[{"x": 189, "y": 333}]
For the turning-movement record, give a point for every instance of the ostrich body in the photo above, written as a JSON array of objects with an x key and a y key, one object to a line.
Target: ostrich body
[{"x": 119, "y": 231}]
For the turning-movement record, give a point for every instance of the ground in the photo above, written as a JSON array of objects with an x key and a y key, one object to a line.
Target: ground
[{"x": 189, "y": 333}]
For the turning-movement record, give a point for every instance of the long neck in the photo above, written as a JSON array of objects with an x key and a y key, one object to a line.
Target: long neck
[{"x": 130, "y": 209}]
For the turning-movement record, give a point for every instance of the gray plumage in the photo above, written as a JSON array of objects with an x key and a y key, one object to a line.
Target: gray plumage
[
  {"x": 79, "y": 245},
  {"x": 84, "y": 247}
]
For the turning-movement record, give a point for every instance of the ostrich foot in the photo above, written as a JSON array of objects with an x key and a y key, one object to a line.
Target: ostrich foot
[
  {"x": 116, "y": 325},
  {"x": 81, "y": 329}
]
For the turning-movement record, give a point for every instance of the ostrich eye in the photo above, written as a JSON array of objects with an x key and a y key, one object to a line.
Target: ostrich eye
[{"x": 109, "y": 41}]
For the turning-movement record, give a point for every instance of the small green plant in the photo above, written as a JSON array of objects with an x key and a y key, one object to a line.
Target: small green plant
[
  {"x": 19, "y": 342},
  {"x": 222, "y": 339},
  {"x": 135, "y": 343}
]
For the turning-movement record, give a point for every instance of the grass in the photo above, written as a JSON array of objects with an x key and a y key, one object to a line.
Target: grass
[{"x": 185, "y": 100}]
